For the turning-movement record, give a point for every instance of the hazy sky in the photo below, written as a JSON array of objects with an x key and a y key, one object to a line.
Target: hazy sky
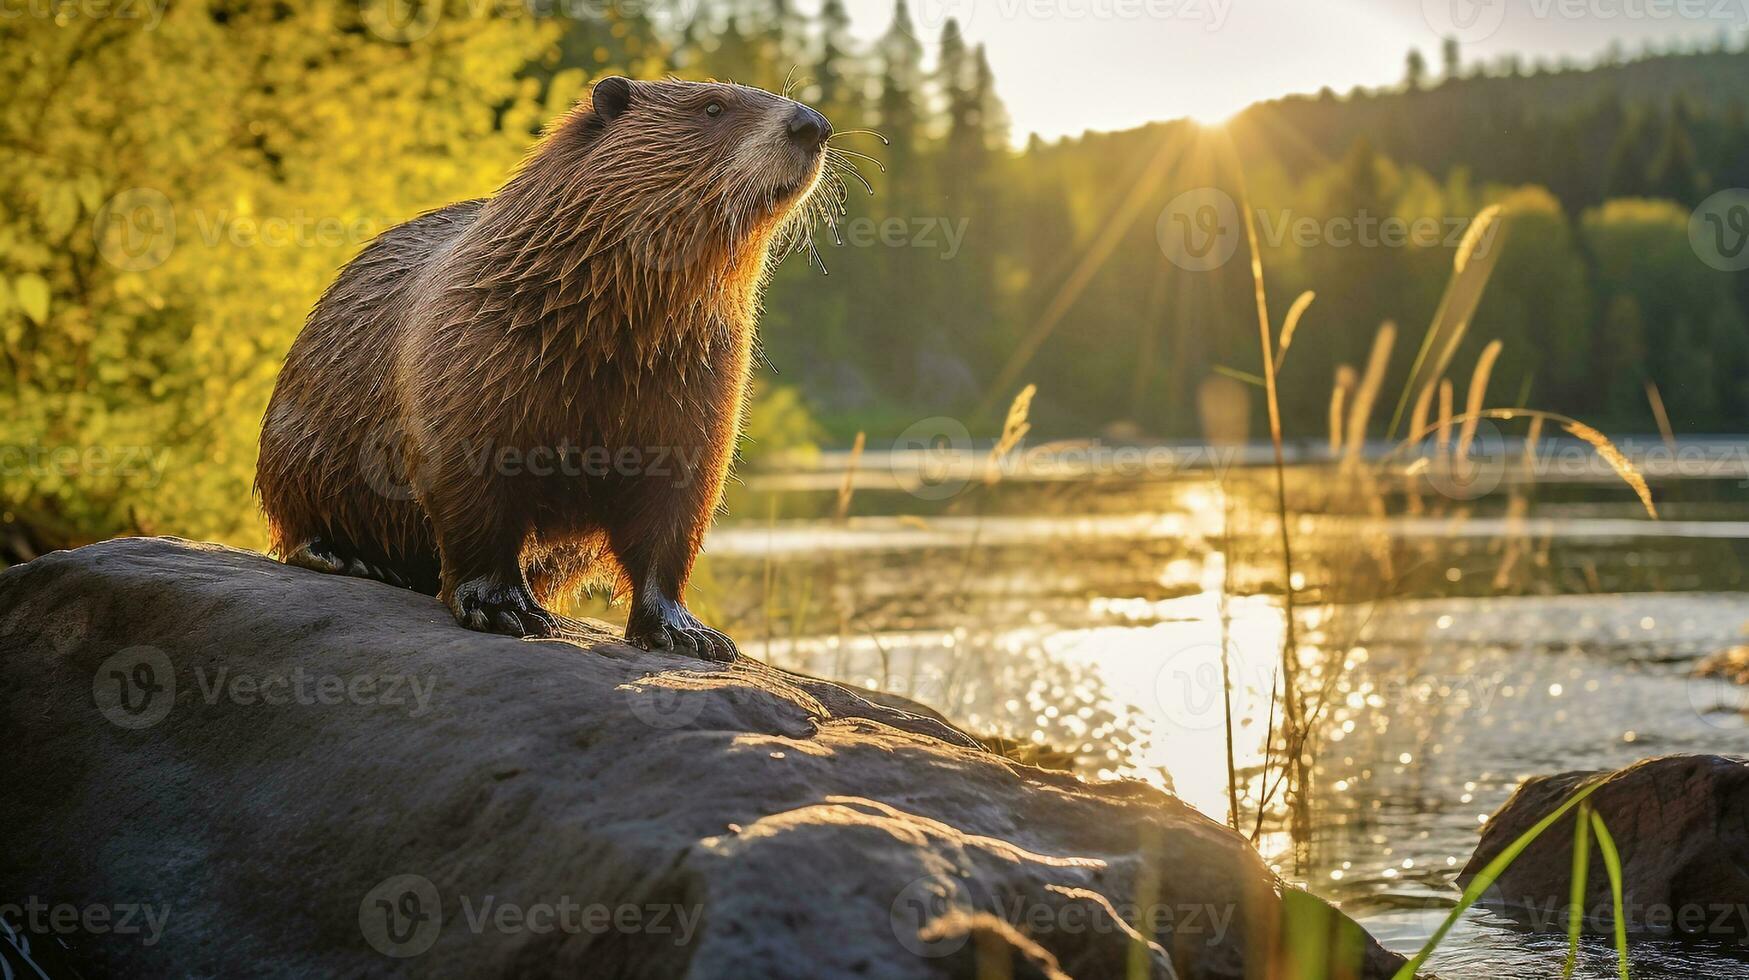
[{"x": 1063, "y": 66}]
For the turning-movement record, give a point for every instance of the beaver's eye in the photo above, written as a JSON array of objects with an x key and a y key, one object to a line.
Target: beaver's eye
[{"x": 713, "y": 109}]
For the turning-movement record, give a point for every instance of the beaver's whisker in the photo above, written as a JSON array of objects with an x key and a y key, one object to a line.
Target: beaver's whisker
[
  {"x": 850, "y": 168},
  {"x": 841, "y": 151},
  {"x": 860, "y": 132}
]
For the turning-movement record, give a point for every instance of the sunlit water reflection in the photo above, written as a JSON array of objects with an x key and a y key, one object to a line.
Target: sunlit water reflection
[{"x": 1101, "y": 628}]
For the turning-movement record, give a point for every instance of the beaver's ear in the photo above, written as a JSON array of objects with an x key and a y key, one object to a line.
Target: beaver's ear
[{"x": 611, "y": 97}]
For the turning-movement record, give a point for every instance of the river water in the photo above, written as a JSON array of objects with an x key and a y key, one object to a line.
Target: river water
[{"x": 1451, "y": 643}]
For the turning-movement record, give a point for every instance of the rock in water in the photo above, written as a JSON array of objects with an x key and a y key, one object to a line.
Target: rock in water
[
  {"x": 269, "y": 771},
  {"x": 1681, "y": 825},
  {"x": 1731, "y": 665}
]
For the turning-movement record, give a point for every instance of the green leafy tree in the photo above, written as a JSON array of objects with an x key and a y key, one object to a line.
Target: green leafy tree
[{"x": 181, "y": 192}]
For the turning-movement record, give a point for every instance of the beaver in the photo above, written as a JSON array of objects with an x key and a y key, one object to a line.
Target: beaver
[{"x": 504, "y": 399}]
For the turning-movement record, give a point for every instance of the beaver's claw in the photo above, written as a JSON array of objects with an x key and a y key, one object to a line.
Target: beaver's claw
[
  {"x": 490, "y": 607},
  {"x": 669, "y": 626}
]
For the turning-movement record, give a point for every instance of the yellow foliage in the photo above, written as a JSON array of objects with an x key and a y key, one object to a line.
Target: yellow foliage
[{"x": 179, "y": 188}]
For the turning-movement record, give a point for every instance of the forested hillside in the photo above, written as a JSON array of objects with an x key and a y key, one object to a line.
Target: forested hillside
[{"x": 161, "y": 243}]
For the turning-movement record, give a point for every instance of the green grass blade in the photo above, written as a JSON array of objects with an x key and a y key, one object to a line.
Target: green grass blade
[
  {"x": 1612, "y": 863},
  {"x": 1485, "y": 879},
  {"x": 1255, "y": 380},
  {"x": 1576, "y": 897}
]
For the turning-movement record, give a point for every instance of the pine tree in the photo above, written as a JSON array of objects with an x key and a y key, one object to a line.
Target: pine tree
[
  {"x": 901, "y": 59},
  {"x": 1673, "y": 172},
  {"x": 956, "y": 81},
  {"x": 833, "y": 71},
  {"x": 992, "y": 116},
  {"x": 1415, "y": 70},
  {"x": 1628, "y": 160}
]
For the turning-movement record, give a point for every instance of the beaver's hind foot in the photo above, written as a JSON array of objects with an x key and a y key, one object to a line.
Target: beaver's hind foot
[
  {"x": 666, "y": 625},
  {"x": 489, "y": 606},
  {"x": 322, "y": 555}
]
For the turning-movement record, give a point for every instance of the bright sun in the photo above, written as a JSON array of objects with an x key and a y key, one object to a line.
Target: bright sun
[{"x": 1214, "y": 117}]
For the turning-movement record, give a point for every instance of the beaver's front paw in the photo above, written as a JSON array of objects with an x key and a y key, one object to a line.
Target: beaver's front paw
[
  {"x": 492, "y": 607},
  {"x": 668, "y": 626}
]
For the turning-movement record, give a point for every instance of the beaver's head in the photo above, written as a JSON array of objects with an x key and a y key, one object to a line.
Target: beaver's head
[{"x": 700, "y": 168}]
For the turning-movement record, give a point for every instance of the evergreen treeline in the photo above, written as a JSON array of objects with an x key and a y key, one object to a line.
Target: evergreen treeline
[{"x": 976, "y": 268}]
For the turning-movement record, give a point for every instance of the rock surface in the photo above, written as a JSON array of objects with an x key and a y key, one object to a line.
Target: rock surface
[
  {"x": 1681, "y": 825},
  {"x": 271, "y": 772}
]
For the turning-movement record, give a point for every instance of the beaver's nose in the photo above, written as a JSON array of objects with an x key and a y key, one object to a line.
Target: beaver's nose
[{"x": 808, "y": 128}]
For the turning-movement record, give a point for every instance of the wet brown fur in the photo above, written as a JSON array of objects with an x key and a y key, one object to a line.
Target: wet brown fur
[{"x": 605, "y": 297}]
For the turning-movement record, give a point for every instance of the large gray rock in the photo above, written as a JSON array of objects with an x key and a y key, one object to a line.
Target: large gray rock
[
  {"x": 1680, "y": 824},
  {"x": 267, "y": 771}
]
